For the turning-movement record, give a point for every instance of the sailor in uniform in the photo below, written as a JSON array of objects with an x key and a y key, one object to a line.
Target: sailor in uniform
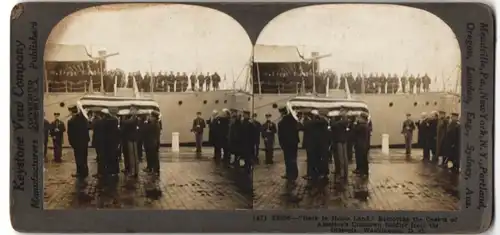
[
  {"x": 339, "y": 129},
  {"x": 453, "y": 141},
  {"x": 130, "y": 128},
  {"x": 111, "y": 142},
  {"x": 407, "y": 132},
  {"x": 197, "y": 129},
  {"x": 78, "y": 137},
  {"x": 46, "y": 131},
  {"x": 361, "y": 130},
  {"x": 268, "y": 131},
  {"x": 288, "y": 136},
  {"x": 257, "y": 132},
  {"x": 152, "y": 142},
  {"x": 223, "y": 135},
  {"x": 57, "y": 133},
  {"x": 442, "y": 124},
  {"x": 213, "y": 124},
  {"x": 247, "y": 141}
]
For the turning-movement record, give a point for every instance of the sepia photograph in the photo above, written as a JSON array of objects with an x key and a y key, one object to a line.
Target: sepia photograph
[
  {"x": 135, "y": 96},
  {"x": 360, "y": 107},
  {"x": 171, "y": 106}
]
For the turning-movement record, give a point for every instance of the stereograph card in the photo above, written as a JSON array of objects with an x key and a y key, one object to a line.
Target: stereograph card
[{"x": 252, "y": 117}]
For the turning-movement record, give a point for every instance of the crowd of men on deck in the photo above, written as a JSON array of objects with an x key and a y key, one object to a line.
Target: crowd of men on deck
[
  {"x": 439, "y": 137},
  {"x": 290, "y": 82},
  {"x": 127, "y": 135},
  {"x": 76, "y": 78},
  {"x": 235, "y": 136}
]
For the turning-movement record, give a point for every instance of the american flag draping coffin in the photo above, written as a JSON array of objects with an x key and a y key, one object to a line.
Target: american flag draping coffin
[
  {"x": 325, "y": 106},
  {"x": 121, "y": 104}
]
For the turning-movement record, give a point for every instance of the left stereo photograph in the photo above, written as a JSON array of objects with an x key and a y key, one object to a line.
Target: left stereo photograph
[{"x": 140, "y": 109}]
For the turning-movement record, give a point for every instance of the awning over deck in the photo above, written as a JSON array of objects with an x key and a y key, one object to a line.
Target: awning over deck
[
  {"x": 276, "y": 54},
  {"x": 65, "y": 53}
]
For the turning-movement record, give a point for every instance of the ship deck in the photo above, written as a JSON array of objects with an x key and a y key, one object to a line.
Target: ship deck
[{"x": 190, "y": 181}]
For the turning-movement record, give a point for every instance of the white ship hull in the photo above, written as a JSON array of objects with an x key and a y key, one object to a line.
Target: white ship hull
[{"x": 179, "y": 109}]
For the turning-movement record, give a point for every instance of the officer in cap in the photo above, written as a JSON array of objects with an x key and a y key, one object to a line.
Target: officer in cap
[
  {"x": 57, "y": 133},
  {"x": 442, "y": 125},
  {"x": 257, "y": 127},
  {"x": 78, "y": 137},
  {"x": 453, "y": 142},
  {"x": 407, "y": 132},
  {"x": 198, "y": 128},
  {"x": 213, "y": 139},
  {"x": 235, "y": 136},
  {"x": 288, "y": 136},
  {"x": 247, "y": 141},
  {"x": 223, "y": 133},
  {"x": 152, "y": 143},
  {"x": 46, "y": 131},
  {"x": 269, "y": 130}
]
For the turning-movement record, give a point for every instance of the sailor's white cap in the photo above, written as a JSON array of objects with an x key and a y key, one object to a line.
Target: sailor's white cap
[
  {"x": 225, "y": 110},
  {"x": 315, "y": 112},
  {"x": 333, "y": 113},
  {"x": 215, "y": 111},
  {"x": 105, "y": 111}
]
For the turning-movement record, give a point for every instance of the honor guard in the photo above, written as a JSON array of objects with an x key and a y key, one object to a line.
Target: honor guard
[
  {"x": 111, "y": 142},
  {"x": 339, "y": 129},
  {"x": 319, "y": 143},
  {"x": 78, "y": 137},
  {"x": 130, "y": 127},
  {"x": 268, "y": 132},
  {"x": 152, "y": 142},
  {"x": 257, "y": 133},
  {"x": 57, "y": 133},
  {"x": 361, "y": 130},
  {"x": 407, "y": 131},
  {"x": 288, "y": 136},
  {"x": 197, "y": 129}
]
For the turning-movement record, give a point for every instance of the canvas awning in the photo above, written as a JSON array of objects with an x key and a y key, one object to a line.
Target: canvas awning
[
  {"x": 276, "y": 54},
  {"x": 65, "y": 53}
]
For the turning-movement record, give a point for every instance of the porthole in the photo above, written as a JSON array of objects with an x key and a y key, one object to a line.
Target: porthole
[
  {"x": 415, "y": 104},
  {"x": 435, "y": 103},
  {"x": 216, "y": 101},
  {"x": 225, "y": 101},
  {"x": 391, "y": 104},
  {"x": 458, "y": 100},
  {"x": 62, "y": 104},
  {"x": 427, "y": 103},
  {"x": 248, "y": 98},
  {"x": 180, "y": 102},
  {"x": 204, "y": 102},
  {"x": 275, "y": 106}
]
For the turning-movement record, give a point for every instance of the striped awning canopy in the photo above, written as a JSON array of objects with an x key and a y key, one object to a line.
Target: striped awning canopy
[
  {"x": 326, "y": 106},
  {"x": 121, "y": 105}
]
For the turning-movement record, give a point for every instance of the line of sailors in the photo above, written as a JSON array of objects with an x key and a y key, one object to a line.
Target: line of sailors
[
  {"x": 235, "y": 136},
  {"x": 113, "y": 135},
  {"x": 175, "y": 82},
  {"x": 439, "y": 137}
]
